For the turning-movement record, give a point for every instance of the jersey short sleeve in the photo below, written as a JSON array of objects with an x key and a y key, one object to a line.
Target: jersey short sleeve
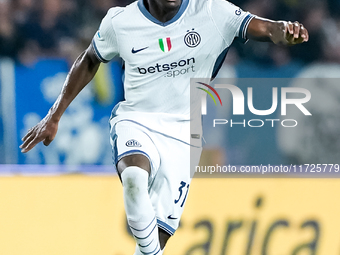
[
  {"x": 104, "y": 41},
  {"x": 230, "y": 20}
]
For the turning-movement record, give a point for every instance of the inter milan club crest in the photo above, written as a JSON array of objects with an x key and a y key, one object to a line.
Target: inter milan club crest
[
  {"x": 192, "y": 39},
  {"x": 165, "y": 44}
]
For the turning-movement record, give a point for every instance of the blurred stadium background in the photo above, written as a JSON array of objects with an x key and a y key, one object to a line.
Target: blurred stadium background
[{"x": 66, "y": 199}]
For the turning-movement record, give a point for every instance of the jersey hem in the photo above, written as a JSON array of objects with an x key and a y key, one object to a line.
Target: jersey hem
[
  {"x": 158, "y": 132},
  {"x": 131, "y": 152},
  {"x": 166, "y": 227}
]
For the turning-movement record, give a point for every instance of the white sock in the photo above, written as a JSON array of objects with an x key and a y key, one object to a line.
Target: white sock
[
  {"x": 137, "y": 251},
  {"x": 139, "y": 211}
]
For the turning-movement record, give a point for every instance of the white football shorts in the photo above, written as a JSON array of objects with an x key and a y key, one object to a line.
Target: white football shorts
[{"x": 170, "y": 162}]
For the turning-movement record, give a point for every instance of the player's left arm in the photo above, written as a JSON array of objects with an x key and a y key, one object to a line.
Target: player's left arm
[{"x": 278, "y": 32}]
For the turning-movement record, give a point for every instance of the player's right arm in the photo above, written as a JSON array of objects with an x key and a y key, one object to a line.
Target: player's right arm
[
  {"x": 233, "y": 22},
  {"x": 103, "y": 48},
  {"x": 81, "y": 73}
]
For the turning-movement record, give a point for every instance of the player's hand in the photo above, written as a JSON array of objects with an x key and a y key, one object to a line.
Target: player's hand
[
  {"x": 295, "y": 33},
  {"x": 44, "y": 131}
]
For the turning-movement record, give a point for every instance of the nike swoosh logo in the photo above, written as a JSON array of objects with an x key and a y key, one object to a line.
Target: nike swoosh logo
[
  {"x": 136, "y": 51},
  {"x": 171, "y": 218}
]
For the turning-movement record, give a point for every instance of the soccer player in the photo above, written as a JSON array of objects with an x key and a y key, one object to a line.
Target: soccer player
[{"x": 164, "y": 43}]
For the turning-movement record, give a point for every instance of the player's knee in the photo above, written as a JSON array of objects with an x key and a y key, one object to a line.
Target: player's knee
[
  {"x": 132, "y": 190},
  {"x": 135, "y": 183}
]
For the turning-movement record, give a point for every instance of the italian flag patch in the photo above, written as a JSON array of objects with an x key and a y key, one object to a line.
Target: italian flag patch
[{"x": 165, "y": 44}]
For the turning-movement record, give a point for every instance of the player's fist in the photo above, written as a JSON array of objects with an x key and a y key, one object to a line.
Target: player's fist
[
  {"x": 295, "y": 33},
  {"x": 44, "y": 131}
]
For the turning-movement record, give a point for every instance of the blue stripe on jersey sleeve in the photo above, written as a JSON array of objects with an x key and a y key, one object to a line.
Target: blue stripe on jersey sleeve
[
  {"x": 100, "y": 58},
  {"x": 244, "y": 26}
]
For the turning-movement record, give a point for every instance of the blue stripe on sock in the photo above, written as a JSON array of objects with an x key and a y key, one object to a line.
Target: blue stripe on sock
[
  {"x": 157, "y": 251},
  {"x": 145, "y": 245},
  {"x": 147, "y": 253},
  {"x": 141, "y": 238},
  {"x": 144, "y": 228}
]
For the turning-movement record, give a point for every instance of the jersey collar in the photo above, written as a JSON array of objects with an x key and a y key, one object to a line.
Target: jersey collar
[{"x": 147, "y": 14}]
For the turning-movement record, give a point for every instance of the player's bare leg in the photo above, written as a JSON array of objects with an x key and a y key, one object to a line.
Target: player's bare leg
[
  {"x": 163, "y": 237},
  {"x": 134, "y": 171}
]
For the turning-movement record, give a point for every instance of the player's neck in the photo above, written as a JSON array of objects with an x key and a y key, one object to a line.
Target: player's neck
[{"x": 163, "y": 10}]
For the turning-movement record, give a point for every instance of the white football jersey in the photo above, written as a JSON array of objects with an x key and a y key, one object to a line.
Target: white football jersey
[{"x": 160, "y": 58}]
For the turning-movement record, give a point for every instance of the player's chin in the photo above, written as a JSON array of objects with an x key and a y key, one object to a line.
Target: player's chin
[{"x": 172, "y": 4}]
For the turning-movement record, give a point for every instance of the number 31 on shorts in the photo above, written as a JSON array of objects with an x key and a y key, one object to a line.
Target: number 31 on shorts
[{"x": 182, "y": 186}]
